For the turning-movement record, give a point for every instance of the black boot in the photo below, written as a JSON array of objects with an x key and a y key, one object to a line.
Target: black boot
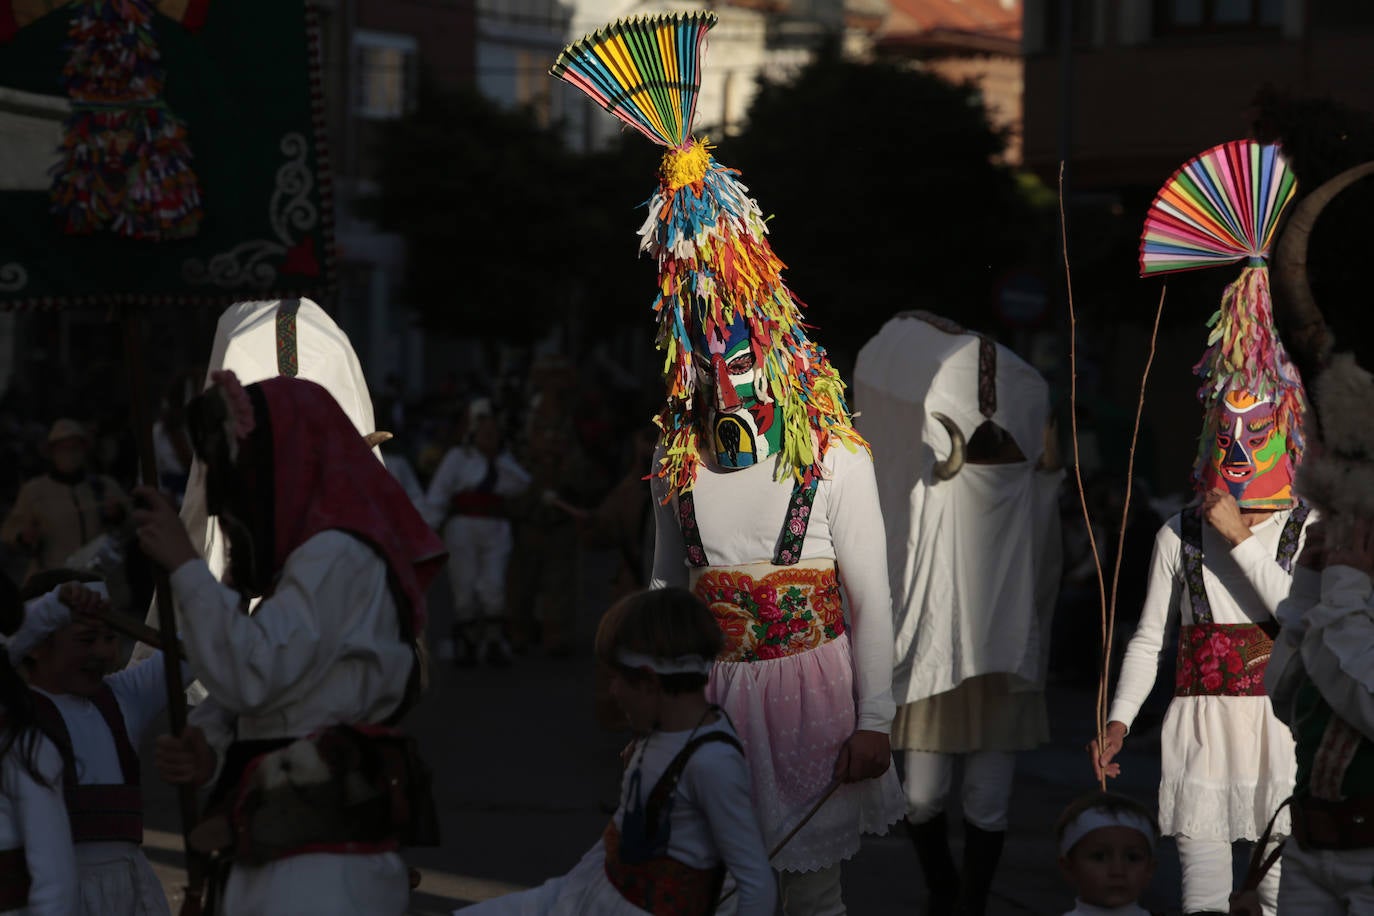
[
  {"x": 931, "y": 840},
  {"x": 982, "y": 850}
]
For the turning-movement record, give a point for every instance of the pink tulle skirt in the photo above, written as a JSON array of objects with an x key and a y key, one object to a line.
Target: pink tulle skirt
[{"x": 793, "y": 714}]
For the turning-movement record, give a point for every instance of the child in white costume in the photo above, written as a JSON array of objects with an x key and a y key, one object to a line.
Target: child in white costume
[
  {"x": 37, "y": 864},
  {"x": 100, "y": 721},
  {"x": 1227, "y": 761},
  {"x": 685, "y": 817},
  {"x": 1107, "y": 852}
]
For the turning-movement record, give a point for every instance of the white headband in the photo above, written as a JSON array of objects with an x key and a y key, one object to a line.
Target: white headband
[
  {"x": 1097, "y": 818},
  {"x": 683, "y": 664},
  {"x": 44, "y": 616}
]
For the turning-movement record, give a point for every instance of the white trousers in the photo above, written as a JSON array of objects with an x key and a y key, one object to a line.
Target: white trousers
[
  {"x": 812, "y": 893},
  {"x": 320, "y": 884},
  {"x": 478, "y": 554},
  {"x": 986, "y": 786},
  {"x": 1326, "y": 881},
  {"x": 1208, "y": 877}
]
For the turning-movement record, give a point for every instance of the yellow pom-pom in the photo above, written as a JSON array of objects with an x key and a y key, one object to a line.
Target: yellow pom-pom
[{"x": 682, "y": 167}]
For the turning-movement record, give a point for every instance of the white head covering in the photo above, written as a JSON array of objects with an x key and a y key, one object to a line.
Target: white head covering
[
  {"x": 683, "y": 664},
  {"x": 1097, "y": 818},
  {"x": 44, "y": 616}
]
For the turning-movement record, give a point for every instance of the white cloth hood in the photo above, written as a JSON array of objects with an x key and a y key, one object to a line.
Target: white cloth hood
[{"x": 973, "y": 561}]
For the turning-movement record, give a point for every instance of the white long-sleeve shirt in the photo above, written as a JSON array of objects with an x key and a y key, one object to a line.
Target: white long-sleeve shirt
[
  {"x": 740, "y": 516},
  {"x": 463, "y": 469},
  {"x": 712, "y": 819},
  {"x": 324, "y": 648},
  {"x": 34, "y": 816}
]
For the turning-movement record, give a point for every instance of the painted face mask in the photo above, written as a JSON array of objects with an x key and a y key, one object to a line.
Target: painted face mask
[
  {"x": 1250, "y": 460},
  {"x": 741, "y": 413}
]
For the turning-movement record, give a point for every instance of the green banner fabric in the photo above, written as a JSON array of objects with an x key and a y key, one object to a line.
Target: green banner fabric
[{"x": 161, "y": 152}]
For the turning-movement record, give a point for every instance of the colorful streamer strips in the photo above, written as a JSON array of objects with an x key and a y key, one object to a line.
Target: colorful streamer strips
[
  {"x": 1220, "y": 207},
  {"x": 644, "y": 70}
]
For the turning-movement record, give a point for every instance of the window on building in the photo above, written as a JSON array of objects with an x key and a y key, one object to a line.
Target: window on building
[
  {"x": 1185, "y": 16},
  {"x": 386, "y": 68}
]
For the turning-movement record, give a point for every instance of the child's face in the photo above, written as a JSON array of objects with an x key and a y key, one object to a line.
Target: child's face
[
  {"x": 637, "y": 698},
  {"x": 1109, "y": 867},
  {"x": 75, "y": 659}
]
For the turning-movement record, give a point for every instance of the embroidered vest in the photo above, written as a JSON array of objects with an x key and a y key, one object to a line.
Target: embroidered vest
[
  {"x": 1335, "y": 761},
  {"x": 1225, "y": 659},
  {"x": 653, "y": 880},
  {"x": 99, "y": 813},
  {"x": 768, "y": 611}
]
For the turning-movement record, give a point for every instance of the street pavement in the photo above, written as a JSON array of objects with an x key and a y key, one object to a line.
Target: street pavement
[{"x": 525, "y": 780}]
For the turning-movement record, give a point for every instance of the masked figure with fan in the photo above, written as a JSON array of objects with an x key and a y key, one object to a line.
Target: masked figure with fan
[
  {"x": 766, "y": 494},
  {"x": 314, "y": 789},
  {"x": 1221, "y": 568}
]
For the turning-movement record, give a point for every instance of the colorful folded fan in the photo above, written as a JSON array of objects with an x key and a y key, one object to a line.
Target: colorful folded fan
[
  {"x": 1220, "y": 207},
  {"x": 644, "y": 70}
]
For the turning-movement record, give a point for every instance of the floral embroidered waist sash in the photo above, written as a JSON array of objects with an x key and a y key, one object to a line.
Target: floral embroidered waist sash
[
  {"x": 768, "y": 611},
  {"x": 1222, "y": 660},
  {"x": 662, "y": 885}
]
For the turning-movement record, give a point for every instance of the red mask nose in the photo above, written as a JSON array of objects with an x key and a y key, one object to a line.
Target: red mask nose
[{"x": 727, "y": 398}]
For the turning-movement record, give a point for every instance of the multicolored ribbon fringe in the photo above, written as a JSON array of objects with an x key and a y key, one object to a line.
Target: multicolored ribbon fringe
[
  {"x": 125, "y": 163},
  {"x": 710, "y": 241}
]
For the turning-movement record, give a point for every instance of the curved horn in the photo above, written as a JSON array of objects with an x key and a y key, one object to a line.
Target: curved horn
[
  {"x": 375, "y": 439},
  {"x": 1299, "y": 318},
  {"x": 946, "y": 469}
]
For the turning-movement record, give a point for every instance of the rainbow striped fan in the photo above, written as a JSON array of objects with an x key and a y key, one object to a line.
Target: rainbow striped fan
[
  {"x": 644, "y": 70},
  {"x": 1220, "y": 207}
]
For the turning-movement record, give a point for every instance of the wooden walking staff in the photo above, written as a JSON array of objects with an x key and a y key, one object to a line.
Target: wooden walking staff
[{"x": 166, "y": 615}]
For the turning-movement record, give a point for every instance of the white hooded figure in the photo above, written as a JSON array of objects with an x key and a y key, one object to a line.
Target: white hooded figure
[
  {"x": 958, "y": 426},
  {"x": 256, "y": 341}
]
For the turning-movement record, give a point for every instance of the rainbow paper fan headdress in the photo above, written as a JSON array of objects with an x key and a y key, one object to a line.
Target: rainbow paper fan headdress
[
  {"x": 710, "y": 242},
  {"x": 1219, "y": 208}
]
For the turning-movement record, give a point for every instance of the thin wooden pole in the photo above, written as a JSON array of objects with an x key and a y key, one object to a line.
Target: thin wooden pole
[{"x": 133, "y": 323}]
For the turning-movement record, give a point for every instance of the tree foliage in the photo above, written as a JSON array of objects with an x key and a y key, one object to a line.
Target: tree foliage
[
  {"x": 506, "y": 231},
  {"x": 887, "y": 193},
  {"x": 883, "y": 179}
]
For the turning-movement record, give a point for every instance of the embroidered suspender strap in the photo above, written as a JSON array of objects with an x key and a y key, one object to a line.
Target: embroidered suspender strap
[
  {"x": 691, "y": 534},
  {"x": 663, "y": 790},
  {"x": 795, "y": 527},
  {"x": 288, "y": 356},
  {"x": 14, "y": 880},
  {"x": 1288, "y": 540},
  {"x": 1190, "y": 530}
]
